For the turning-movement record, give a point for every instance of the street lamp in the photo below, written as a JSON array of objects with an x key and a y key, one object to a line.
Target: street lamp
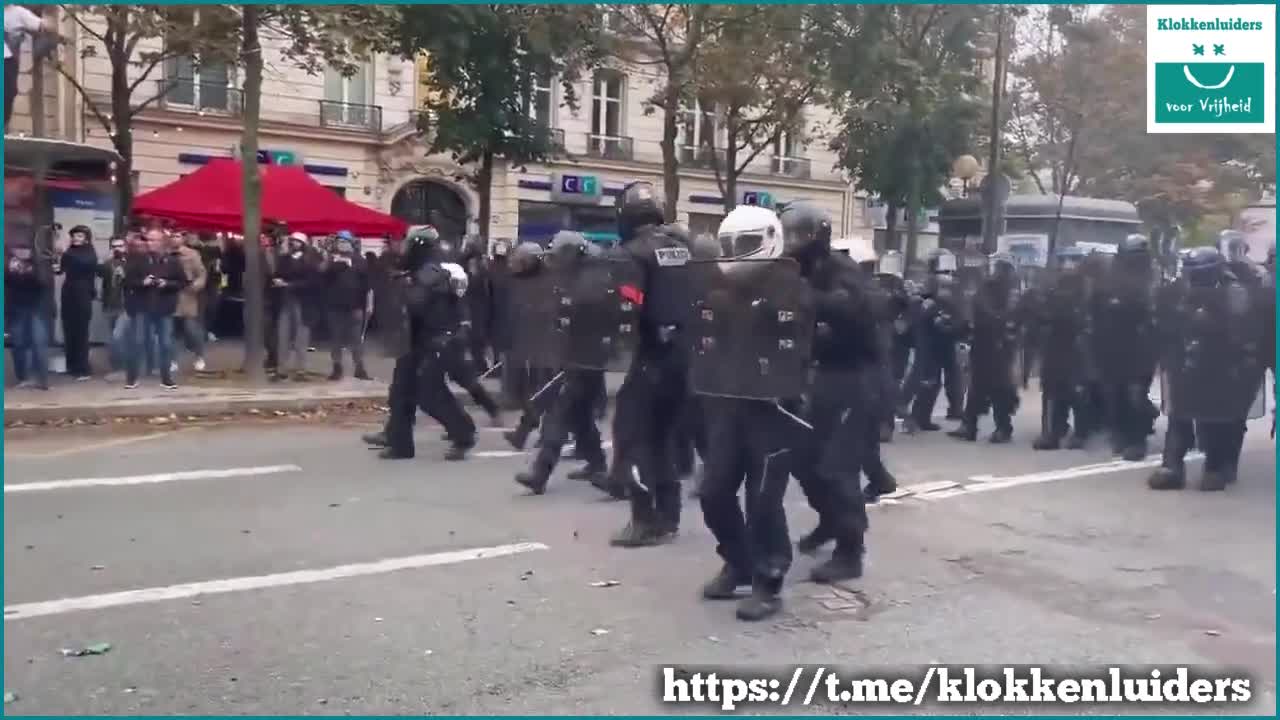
[
  {"x": 991, "y": 198},
  {"x": 965, "y": 167}
]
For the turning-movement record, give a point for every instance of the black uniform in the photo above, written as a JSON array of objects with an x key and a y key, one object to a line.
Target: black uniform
[
  {"x": 844, "y": 397},
  {"x": 419, "y": 375},
  {"x": 937, "y": 330},
  {"x": 1124, "y": 347},
  {"x": 1209, "y": 346},
  {"x": 1059, "y": 330},
  {"x": 993, "y": 350},
  {"x": 650, "y": 401}
]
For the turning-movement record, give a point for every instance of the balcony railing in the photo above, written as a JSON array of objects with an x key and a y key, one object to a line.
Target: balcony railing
[
  {"x": 199, "y": 97},
  {"x": 334, "y": 114},
  {"x": 610, "y": 147},
  {"x": 701, "y": 157},
  {"x": 797, "y": 168}
]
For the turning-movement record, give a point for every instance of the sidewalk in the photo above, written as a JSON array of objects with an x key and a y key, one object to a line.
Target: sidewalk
[{"x": 222, "y": 389}]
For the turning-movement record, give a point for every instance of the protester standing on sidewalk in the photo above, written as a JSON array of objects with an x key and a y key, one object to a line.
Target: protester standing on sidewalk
[
  {"x": 26, "y": 286},
  {"x": 297, "y": 274},
  {"x": 346, "y": 286},
  {"x": 186, "y": 315},
  {"x": 112, "y": 273},
  {"x": 152, "y": 282},
  {"x": 79, "y": 268}
]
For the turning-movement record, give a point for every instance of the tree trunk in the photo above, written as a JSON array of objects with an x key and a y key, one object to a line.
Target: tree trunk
[
  {"x": 35, "y": 98},
  {"x": 670, "y": 164},
  {"x": 913, "y": 214},
  {"x": 122, "y": 132},
  {"x": 891, "y": 228},
  {"x": 254, "y": 278},
  {"x": 484, "y": 187}
]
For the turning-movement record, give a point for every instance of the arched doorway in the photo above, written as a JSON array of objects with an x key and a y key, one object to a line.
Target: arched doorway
[{"x": 425, "y": 202}]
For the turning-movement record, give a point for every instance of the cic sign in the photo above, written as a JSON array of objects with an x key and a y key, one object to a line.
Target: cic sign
[
  {"x": 758, "y": 197},
  {"x": 576, "y": 189}
]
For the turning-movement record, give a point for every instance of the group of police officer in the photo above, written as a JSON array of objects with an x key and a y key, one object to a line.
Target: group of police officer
[{"x": 771, "y": 355}]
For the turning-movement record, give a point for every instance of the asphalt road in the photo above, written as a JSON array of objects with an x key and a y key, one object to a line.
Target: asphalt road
[{"x": 1059, "y": 564}]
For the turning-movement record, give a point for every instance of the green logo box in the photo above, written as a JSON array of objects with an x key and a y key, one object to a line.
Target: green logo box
[{"x": 1209, "y": 92}]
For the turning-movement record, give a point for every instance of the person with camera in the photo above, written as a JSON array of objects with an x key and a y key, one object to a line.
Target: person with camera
[
  {"x": 152, "y": 280},
  {"x": 111, "y": 272}
]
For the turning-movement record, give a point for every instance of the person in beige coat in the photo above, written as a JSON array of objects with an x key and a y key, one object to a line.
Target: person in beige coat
[{"x": 187, "y": 316}]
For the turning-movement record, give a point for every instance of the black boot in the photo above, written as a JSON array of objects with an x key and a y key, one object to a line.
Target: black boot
[
  {"x": 458, "y": 450},
  {"x": 1077, "y": 441},
  {"x": 610, "y": 485},
  {"x": 724, "y": 586},
  {"x": 1001, "y": 436},
  {"x": 390, "y": 453},
  {"x": 1136, "y": 452},
  {"x": 669, "y": 503},
  {"x": 763, "y": 603},
  {"x": 517, "y": 438},
  {"x": 882, "y": 483},
  {"x": 926, "y": 425},
  {"x": 967, "y": 432},
  {"x": 640, "y": 534},
  {"x": 361, "y": 373},
  {"x": 810, "y": 544},
  {"x": 588, "y": 472},
  {"x": 845, "y": 564},
  {"x": 1167, "y": 479},
  {"x": 375, "y": 439},
  {"x": 336, "y": 374},
  {"x": 1046, "y": 442},
  {"x": 955, "y": 415},
  {"x": 1213, "y": 481},
  {"x": 533, "y": 479}
]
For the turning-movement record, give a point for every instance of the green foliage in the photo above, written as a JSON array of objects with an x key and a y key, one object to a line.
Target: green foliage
[
  {"x": 906, "y": 78},
  {"x": 485, "y": 61}
]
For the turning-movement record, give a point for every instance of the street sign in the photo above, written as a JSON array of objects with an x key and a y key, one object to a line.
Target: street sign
[
  {"x": 757, "y": 197},
  {"x": 576, "y": 189}
]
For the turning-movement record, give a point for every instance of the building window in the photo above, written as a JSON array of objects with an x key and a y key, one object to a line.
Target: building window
[
  {"x": 346, "y": 97},
  {"x": 787, "y": 150},
  {"x": 606, "y": 104},
  {"x": 196, "y": 84},
  {"x": 540, "y": 221},
  {"x": 697, "y": 131},
  {"x": 540, "y": 108},
  {"x": 704, "y": 224}
]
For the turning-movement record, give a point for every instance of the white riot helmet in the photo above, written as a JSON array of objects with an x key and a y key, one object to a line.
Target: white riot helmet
[
  {"x": 891, "y": 263},
  {"x": 1233, "y": 245},
  {"x": 750, "y": 232},
  {"x": 457, "y": 278}
]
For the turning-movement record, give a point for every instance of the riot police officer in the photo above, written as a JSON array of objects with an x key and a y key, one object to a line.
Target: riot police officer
[
  {"x": 840, "y": 406},
  {"x": 573, "y": 407},
  {"x": 938, "y": 327},
  {"x": 537, "y": 387},
  {"x": 650, "y": 401},
  {"x": 1123, "y": 333},
  {"x": 995, "y": 336},
  {"x": 418, "y": 376},
  {"x": 749, "y": 437},
  {"x": 942, "y": 262},
  {"x": 1218, "y": 339},
  {"x": 454, "y": 359},
  {"x": 1234, "y": 247},
  {"x": 1059, "y": 332}
]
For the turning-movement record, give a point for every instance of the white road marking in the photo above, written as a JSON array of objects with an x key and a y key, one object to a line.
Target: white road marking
[
  {"x": 149, "y": 479},
  {"x": 986, "y": 483},
  {"x": 25, "y": 611}
]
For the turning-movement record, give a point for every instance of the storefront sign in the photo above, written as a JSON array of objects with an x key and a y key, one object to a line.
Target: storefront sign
[
  {"x": 757, "y": 197},
  {"x": 576, "y": 189}
]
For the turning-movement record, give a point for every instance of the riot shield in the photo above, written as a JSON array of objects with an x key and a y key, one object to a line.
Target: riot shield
[
  {"x": 392, "y": 315},
  {"x": 1215, "y": 367},
  {"x": 597, "y": 315},
  {"x": 751, "y": 329},
  {"x": 529, "y": 319}
]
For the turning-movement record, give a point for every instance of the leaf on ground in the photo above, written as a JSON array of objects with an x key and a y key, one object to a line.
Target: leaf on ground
[
  {"x": 599, "y": 631},
  {"x": 10, "y": 697},
  {"x": 94, "y": 649},
  {"x": 606, "y": 583}
]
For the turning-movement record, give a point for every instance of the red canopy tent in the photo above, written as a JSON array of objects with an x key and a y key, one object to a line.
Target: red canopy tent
[{"x": 211, "y": 199}]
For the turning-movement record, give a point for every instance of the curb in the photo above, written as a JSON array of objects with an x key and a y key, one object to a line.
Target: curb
[{"x": 196, "y": 408}]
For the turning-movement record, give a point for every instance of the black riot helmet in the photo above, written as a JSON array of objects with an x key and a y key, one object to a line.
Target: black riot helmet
[
  {"x": 806, "y": 229},
  {"x": 421, "y": 245},
  {"x": 1270, "y": 262},
  {"x": 1203, "y": 266},
  {"x": 640, "y": 204},
  {"x": 568, "y": 246},
  {"x": 525, "y": 258},
  {"x": 704, "y": 246}
]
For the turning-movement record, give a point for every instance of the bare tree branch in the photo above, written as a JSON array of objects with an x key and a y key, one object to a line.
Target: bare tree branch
[{"x": 88, "y": 99}]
